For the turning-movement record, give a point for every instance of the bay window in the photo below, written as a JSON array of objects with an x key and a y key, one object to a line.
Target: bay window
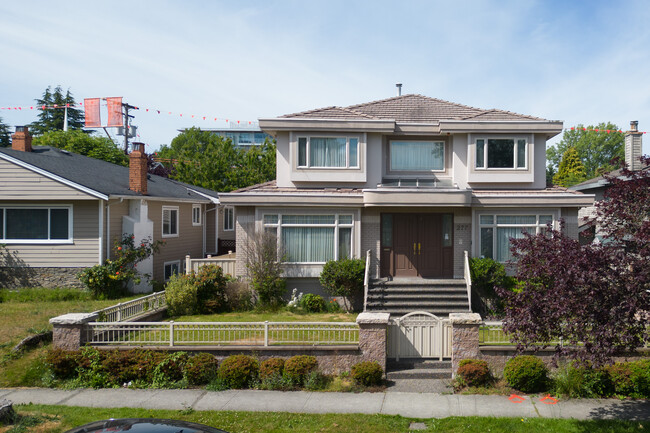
[
  {"x": 312, "y": 238},
  {"x": 328, "y": 152},
  {"x": 417, "y": 155},
  {"x": 36, "y": 224},
  {"x": 501, "y": 153},
  {"x": 495, "y": 232}
]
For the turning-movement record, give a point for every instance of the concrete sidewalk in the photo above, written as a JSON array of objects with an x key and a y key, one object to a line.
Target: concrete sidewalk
[{"x": 412, "y": 405}]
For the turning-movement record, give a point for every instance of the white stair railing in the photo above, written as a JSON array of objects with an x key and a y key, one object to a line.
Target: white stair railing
[{"x": 468, "y": 280}]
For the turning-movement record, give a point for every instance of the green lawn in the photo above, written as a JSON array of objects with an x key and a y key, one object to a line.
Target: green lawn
[
  {"x": 276, "y": 316},
  {"x": 57, "y": 419},
  {"x": 28, "y": 312}
]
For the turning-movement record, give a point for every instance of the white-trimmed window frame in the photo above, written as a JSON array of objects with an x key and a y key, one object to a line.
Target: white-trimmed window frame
[
  {"x": 348, "y": 163},
  {"x": 444, "y": 157},
  {"x": 196, "y": 214},
  {"x": 162, "y": 221},
  {"x": 515, "y": 160},
  {"x": 228, "y": 222},
  {"x": 166, "y": 275},
  {"x": 69, "y": 240},
  {"x": 539, "y": 225},
  {"x": 278, "y": 225}
]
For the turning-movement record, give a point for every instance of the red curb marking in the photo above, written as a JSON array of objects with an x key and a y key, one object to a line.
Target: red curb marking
[
  {"x": 516, "y": 399},
  {"x": 548, "y": 399}
]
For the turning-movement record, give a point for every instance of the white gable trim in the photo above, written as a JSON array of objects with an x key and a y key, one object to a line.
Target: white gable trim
[{"x": 54, "y": 177}]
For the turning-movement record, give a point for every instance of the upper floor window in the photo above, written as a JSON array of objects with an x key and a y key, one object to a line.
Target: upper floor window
[
  {"x": 328, "y": 152},
  {"x": 169, "y": 221},
  {"x": 228, "y": 219},
  {"x": 196, "y": 214},
  {"x": 501, "y": 153},
  {"x": 417, "y": 155},
  {"x": 36, "y": 224}
]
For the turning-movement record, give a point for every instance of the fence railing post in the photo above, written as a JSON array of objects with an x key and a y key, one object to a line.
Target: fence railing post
[
  {"x": 171, "y": 333},
  {"x": 266, "y": 333},
  {"x": 119, "y": 312},
  {"x": 188, "y": 264}
]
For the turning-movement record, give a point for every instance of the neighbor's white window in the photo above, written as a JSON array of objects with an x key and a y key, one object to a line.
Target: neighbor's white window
[
  {"x": 501, "y": 153},
  {"x": 196, "y": 214},
  {"x": 417, "y": 155},
  {"x": 328, "y": 152},
  {"x": 312, "y": 238},
  {"x": 228, "y": 219},
  {"x": 495, "y": 232},
  {"x": 172, "y": 268},
  {"x": 169, "y": 221},
  {"x": 36, "y": 224}
]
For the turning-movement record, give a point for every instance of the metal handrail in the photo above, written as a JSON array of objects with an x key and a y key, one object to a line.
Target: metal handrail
[
  {"x": 468, "y": 280},
  {"x": 366, "y": 280},
  {"x": 134, "y": 308}
]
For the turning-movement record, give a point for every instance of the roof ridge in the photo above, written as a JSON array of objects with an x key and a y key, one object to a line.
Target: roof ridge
[
  {"x": 349, "y": 110},
  {"x": 417, "y": 95},
  {"x": 309, "y": 111}
]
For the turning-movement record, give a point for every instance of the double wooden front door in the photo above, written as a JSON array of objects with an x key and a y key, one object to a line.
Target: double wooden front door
[{"x": 417, "y": 245}]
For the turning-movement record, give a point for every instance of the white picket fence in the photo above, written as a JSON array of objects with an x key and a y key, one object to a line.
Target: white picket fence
[
  {"x": 130, "y": 309},
  {"x": 227, "y": 264},
  {"x": 222, "y": 333}
]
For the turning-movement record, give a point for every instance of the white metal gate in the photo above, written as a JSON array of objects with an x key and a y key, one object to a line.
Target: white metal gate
[{"x": 419, "y": 335}]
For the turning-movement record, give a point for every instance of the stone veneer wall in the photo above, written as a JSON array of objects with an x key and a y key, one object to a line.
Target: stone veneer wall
[{"x": 17, "y": 277}]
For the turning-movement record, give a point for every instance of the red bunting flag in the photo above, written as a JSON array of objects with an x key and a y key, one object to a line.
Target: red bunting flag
[
  {"x": 114, "y": 112},
  {"x": 92, "y": 113}
]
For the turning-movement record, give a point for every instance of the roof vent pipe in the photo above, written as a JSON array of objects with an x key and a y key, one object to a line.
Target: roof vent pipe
[{"x": 399, "y": 89}]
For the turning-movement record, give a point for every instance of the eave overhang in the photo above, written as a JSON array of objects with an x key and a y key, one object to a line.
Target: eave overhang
[
  {"x": 274, "y": 125},
  {"x": 398, "y": 197},
  {"x": 531, "y": 200},
  {"x": 549, "y": 127},
  {"x": 291, "y": 199}
]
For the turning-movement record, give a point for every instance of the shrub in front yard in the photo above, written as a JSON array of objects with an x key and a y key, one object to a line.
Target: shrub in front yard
[
  {"x": 367, "y": 373},
  {"x": 486, "y": 275},
  {"x": 526, "y": 373},
  {"x": 473, "y": 372},
  {"x": 270, "y": 367},
  {"x": 264, "y": 264},
  {"x": 298, "y": 367},
  {"x": 344, "y": 278},
  {"x": 169, "y": 370},
  {"x": 181, "y": 295},
  {"x": 200, "y": 369},
  {"x": 210, "y": 285},
  {"x": 313, "y": 303},
  {"x": 238, "y": 371},
  {"x": 631, "y": 378},
  {"x": 63, "y": 363},
  {"x": 238, "y": 296},
  {"x": 576, "y": 381}
]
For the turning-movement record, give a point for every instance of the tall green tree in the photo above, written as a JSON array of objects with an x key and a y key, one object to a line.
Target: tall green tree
[
  {"x": 84, "y": 144},
  {"x": 206, "y": 159},
  {"x": 5, "y": 135},
  {"x": 596, "y": 149},
  {"x": 571, "y": 170},
  {"x": 51, "y": 119}
]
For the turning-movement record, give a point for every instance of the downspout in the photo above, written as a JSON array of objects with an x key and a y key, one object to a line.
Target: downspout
[
  {"x": 108, "y": 226},
  {"x": 205, "y": 228},
  {"x": 101, "y": 232}
]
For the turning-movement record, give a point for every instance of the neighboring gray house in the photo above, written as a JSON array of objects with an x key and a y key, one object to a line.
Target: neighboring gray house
[
  {"x": 416, "y": 181},
  {"x": 598, "y": 185},
  {"x": 61, "y": 212}
]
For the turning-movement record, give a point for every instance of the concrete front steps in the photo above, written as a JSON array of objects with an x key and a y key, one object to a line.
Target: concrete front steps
[
  {"x": 418, "y": 369},
  {"x": 401, "y": 296}
]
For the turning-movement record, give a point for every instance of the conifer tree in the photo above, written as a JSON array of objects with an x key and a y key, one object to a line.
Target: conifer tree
[
  {"x": 5, "y": 136},
  {"x": 571, "y": 170},
  {"x": 52, "y": 119}
]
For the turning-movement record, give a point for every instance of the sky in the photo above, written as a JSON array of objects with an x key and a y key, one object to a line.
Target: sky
[{"x": 582, "y": 62}]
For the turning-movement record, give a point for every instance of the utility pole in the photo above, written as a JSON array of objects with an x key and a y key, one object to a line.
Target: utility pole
[{"x": 127, "y": 107}]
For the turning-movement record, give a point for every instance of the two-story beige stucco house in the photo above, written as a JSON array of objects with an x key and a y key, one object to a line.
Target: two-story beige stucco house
[
  {"x": 416, "y": 181},
  {"x": 61, "y": 212}
]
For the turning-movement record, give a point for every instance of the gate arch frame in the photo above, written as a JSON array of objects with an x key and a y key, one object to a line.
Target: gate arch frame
[{"x": 443, "y": 325}]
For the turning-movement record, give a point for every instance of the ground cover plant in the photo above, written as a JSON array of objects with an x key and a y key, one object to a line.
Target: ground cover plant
[
  {"x": 57, "y": 419},
  {"x": 26, "y": 312}
]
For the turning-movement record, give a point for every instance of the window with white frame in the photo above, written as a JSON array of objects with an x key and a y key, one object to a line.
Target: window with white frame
[
  {"x": 312, "y": 238},
  {"x": 495, "y": 232},
  {"x": 328, "y": 152},
  {"x": 172, "y": 268},
  {"x": 169, "y": 221},
  {"x": 196, "y": 214},
  {"x": 417, "y": 155},
  {"x": 502, "y": 153},
  {"x": 35, "y": 224},
  {"x": 228, "y": 219}
]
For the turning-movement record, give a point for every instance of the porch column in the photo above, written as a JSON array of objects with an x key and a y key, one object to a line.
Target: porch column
[
  {"x": 464, "y": 337},
  {"x": 69, "y": 330},
  {"x": 372, "y": 337}
]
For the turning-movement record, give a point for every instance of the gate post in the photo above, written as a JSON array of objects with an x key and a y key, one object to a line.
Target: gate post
[
  {"x": 464, "y": 337},
  {"x": 69, "y": 331},
  {"x": 372, "y": 337}
]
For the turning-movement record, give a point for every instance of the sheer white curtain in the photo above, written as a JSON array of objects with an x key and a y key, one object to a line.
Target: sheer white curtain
[
  {"x": 503, "y": 240},
  {"x": 308, "y": 244},
  {"x": 327, "y": 152},
  {"x": 416, "y": 155}
]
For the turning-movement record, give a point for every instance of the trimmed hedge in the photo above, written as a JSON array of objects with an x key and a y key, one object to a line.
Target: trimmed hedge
[
  {"x": 200, "y": 369},
  {"x": 238, "y": 371},
  {"x": 474, "y": 372},
  {"x": 526, "y": 373},
  {"x": 271, "y": 367},
  {"x": 298, "y": 367},
  {"x": 367, "y": 373}
]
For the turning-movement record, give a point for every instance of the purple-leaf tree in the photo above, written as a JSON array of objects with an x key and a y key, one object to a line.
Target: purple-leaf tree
[{"x": 594, "y": 298}]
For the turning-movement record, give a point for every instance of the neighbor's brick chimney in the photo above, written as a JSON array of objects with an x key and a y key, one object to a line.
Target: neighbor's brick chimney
[
  {"x": 138, "y": 169},
  {"x": 22, "y": 139},
  {"x": 633, "y": 146}
]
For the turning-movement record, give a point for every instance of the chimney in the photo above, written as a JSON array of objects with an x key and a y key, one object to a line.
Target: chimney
[
  {"x": 633, "y": 146},
  {"x": 399, "y": 89},
  {"x": 22, "y": 139},
  {"x": 138, "y": 169}
]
